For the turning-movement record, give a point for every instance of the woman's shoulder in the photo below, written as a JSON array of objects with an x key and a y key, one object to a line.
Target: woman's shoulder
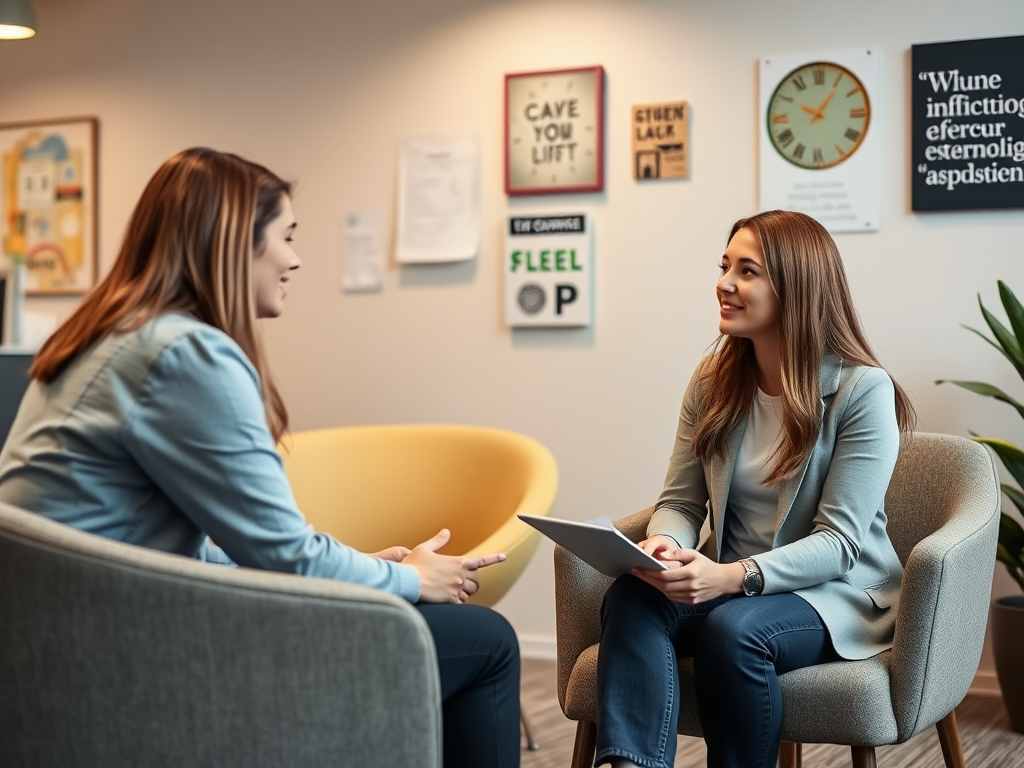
[
  {"x": 864, "y": 386},
  {"x": 174, "y": 343}
]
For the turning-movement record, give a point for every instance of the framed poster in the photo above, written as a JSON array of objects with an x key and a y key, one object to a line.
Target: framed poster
[
  {"x": 966, "y": 114},
  {"x": 659, "y": 141},
  {"x": 820, "y": 145},
  {"x": 554, "y": 131},
  {"x": 549, "y": 278},
  {"x": 48, "y": 203}
]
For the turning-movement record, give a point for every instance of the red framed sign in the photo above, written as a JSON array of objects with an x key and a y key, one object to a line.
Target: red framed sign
[{"x": 554, "y": 131}]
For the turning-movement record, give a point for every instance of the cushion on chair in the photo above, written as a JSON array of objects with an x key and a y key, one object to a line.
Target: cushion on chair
[{"x": 845, "y": 702}]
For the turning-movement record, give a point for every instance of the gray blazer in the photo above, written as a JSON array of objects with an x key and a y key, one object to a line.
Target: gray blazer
[{"x": 830, "y": 545}]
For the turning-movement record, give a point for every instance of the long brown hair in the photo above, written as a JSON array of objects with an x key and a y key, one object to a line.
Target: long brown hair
[
  {"x": 817, "y": 314},
  {"x": 188, "y": 247}
]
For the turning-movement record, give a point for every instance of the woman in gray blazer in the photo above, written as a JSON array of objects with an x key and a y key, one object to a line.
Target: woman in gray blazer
[{"x": 787, "y": 438}]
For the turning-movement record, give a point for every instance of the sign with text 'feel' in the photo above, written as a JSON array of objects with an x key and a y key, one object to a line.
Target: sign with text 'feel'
[
  {"x": 968, "y": 124},
  {"x": 548, "y": 270}
]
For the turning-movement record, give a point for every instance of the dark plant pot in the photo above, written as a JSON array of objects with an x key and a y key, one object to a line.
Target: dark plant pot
[{"x": 1008, "y": 647}]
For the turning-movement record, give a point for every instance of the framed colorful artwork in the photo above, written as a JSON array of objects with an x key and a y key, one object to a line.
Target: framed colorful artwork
[
  {"x": 554, "y": 131},
  {"x": 48, "y": 203}
]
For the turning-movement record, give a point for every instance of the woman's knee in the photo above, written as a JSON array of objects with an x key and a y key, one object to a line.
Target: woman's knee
[{"x": 726, "y": 631}]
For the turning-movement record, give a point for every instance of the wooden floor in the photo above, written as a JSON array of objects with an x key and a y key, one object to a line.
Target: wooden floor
[{"x": 985, "y": 735}]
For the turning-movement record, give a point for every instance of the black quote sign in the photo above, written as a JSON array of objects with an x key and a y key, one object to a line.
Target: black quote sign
[{"x": 968, "y": 124}]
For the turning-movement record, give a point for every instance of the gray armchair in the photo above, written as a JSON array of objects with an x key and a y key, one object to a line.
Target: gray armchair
[
  {"x": 943, "y": 509},
  {"x": 113, "y": 655}
]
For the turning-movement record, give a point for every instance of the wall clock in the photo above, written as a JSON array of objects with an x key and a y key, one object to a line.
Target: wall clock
[
  {"x": 554, "y": 131},
  {"x": 818, "y": 115}
]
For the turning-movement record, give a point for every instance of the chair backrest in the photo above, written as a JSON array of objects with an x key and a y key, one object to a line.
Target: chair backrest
[
  {"x": 112, "y": 654},
  {"x": 934, "y": 475},
  {"x": 377, "y": 486}
]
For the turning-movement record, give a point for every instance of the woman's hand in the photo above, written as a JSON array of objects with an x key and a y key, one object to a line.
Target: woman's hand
[
  {"x": 657, "y": 546},
  {"x": 443, "y": 578},
  {"x": 696, "y": 579},
  {"x": 394, "y": 554}
]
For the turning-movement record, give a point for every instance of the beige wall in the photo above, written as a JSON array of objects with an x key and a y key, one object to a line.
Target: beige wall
[{"x": 323, "y": 92}]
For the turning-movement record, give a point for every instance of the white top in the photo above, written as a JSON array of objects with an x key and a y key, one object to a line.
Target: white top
[{"x": 753, "y": 507}]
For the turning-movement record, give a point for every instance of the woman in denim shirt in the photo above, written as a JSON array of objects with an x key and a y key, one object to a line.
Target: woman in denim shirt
[{"x": 153, "y": 419}]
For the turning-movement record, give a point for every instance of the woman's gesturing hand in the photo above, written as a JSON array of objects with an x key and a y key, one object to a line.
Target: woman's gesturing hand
[
  {"x": 696, "y": 579},
  {"x": 443, "y": 578},
  {"x": 394, "y": 554}
]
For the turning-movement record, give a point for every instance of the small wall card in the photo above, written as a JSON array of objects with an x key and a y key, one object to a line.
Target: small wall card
[
  {"x": 548, "y": 270},
  {"x": 660, "y": 136},
  {"x": 968, "y": 124},
  {"x": 821, "y": 148},
  {"x": 362, "y": 250}
]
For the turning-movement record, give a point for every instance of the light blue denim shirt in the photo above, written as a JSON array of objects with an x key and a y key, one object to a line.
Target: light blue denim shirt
[{"x": 158, "y": 437}]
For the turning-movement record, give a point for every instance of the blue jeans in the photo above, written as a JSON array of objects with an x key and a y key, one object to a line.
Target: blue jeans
[
  {"x": 478, "y": 661},
  {"x": 739, "y": 647}
]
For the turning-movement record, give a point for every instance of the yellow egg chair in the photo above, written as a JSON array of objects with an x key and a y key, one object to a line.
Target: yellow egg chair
[
  {"x": 373, "y": 487},
  {"x": 378, "y": 486}
]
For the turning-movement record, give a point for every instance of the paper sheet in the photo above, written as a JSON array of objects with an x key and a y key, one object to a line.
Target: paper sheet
[
  {"x": 362, "y": 250},
  {"x": 438, "y": 200}
]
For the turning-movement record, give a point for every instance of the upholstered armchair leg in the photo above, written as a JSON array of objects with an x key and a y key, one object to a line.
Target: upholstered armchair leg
[
  {"x": 790, "y": 755},
  {"x": 863, "y": 757},
  {"x": 531, "y": 743},
  {"x": 586, "y": 744},
  {"x": 949, "y": 740}
]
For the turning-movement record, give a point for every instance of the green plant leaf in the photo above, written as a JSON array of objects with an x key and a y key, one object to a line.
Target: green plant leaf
[
  {"x": 995, "y": 346},
  {"x": 1014, "y": 312},
  {"x": 1010, "y": 550},
  {"x": 986, "y": 390},
  {"x": 1015, "y": 495},
  {"x": 1011, "y": 456},
  {"x": 1005, "y": 338}
]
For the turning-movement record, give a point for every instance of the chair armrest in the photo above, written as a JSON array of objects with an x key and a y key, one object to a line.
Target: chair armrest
[
  {"x": 943, "y": 607},
  {"x": 579, "y": 591},
  {"x": 110, "y": 651}
]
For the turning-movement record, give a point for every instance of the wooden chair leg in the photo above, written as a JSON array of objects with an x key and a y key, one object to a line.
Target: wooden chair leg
[
  {"x": 790, "y": 755},
  {"x": 949, "y": 740},
  {"x": 584, "y": 749},
  {"x": 531, "y": 743},
  {"x": 863, "y": 757}
]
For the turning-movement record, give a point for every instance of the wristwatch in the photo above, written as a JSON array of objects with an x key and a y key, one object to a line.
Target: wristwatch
[{"x": 753, "y": 582}]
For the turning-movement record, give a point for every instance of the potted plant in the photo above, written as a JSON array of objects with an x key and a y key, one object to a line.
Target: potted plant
[{"x": 1007, "y": 612}]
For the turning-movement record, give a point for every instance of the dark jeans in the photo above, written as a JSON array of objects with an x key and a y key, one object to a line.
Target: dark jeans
[
  {"x": 739, "y": 647},
  {"x": 478, "y": 657}
]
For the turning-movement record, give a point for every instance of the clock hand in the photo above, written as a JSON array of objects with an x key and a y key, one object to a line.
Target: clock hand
[
  {"x": 821, "y": 109},
  {"x": 811, "y": 111}
]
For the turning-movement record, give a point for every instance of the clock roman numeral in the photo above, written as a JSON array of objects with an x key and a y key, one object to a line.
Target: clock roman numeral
[
  {"x": 786, "y": 98},
  {"x": 851, "y": 134},
  {"x": 858, "y": 112},
  {"x": 836, "y": 83},
  {"x": 798, "y": 81},
  {"x": 840, "y": 151},
  {"x": 785, "y": 138},
  {"x": 780, "y": 118},
  {"x": 819, "y": 75},
  {"x": 798, "y": 151},
  {"x": 819, "y": 158},
  {"x": 855, "y": 90}
]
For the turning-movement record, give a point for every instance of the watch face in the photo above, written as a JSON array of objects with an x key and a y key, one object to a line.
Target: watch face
[{"x": 818, "y": 115}]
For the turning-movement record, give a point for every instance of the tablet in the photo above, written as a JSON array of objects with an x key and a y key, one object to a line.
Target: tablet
[{"x": 597, "y": 542}]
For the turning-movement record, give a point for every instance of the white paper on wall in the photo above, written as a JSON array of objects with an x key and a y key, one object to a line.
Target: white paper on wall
[
  {"x": 438, "y": 200},
  {"x": 362, "y": 250}
]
